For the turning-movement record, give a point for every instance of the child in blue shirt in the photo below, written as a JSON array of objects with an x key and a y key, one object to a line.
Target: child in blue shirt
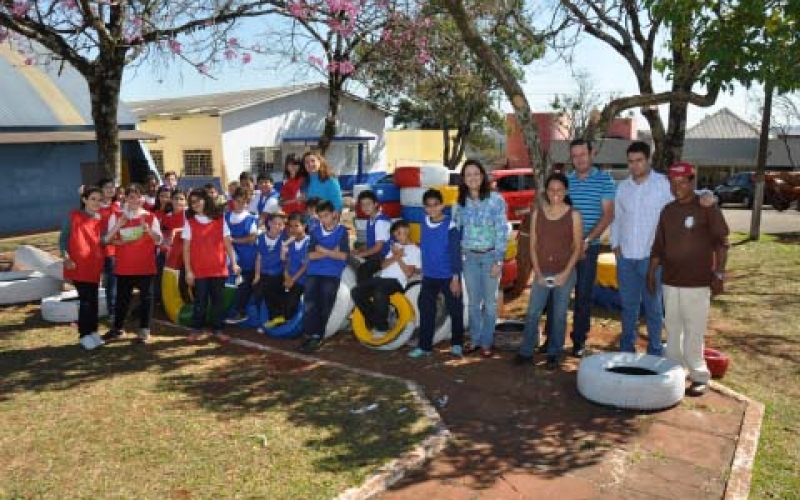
[
  {"x": 268, "y": 280},
  {"x": 244, "y": 229},
  {"x": 441, "y": 273},
  {"x": 378, "y": 235},
  {"x": 328, "y": 249}
]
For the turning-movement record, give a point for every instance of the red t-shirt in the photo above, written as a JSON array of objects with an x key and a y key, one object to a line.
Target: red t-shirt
[{"x": 84, "y": 247}]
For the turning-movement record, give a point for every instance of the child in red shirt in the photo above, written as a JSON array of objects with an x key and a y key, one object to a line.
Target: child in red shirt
[{"x": 81, "y": 247}]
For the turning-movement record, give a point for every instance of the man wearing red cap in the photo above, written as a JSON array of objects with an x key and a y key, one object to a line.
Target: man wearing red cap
[{"x": 691, "y": 245}]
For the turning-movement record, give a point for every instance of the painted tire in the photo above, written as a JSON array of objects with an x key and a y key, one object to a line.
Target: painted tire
[
  {"x": 31, "y": 258},
  {"x": 412, "y": 196},
  {"x": 426, "y": 175},
  {"x": 511, "y": 249},
  {"x": 291, "y": 329},
  {"x": 63, "y": 308},
  {"x": 441, "y": 330},
  {"x": 404, "y": 326},
  {"x": 638, "y": 392},
  {"x": 390, "y": 209},
  {"x": 607, "y": 270},
  {"x": 416, "y": 215},
  {"x": 415, "y": 232},
  {"x": 17, "y": 287},
  {"x": 349, "y": 277},
  {"x": 509, "y": 276},
  {"x": 178, "y": 311},
  {"x": 342, "y": 307}
]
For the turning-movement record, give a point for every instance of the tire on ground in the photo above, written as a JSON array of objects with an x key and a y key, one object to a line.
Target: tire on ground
[
  {"x": 400, "y": 332},
  {"x": 17, "y": 287},
  {"x": 342, "y": 307},
  {"x": 63, "y": 308},
  {"x": 662, "y": 390}
]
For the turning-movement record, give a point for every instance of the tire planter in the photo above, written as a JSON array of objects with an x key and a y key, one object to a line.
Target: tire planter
[
  {"x": 716, "y": 362},
  {"x": 403, "y": 327},
  {"x": 30, "y": 258},
  {"x": 390, "y": 209},
  {"x": 511, "y": 249},
  {"x": 415, "y": 232},
  {"x": 63, "y": 308},
  {"x": 441, "y": 330},
  {"x": 342, "y": 307},
  {"x": 291, "y": 329},
  {"x": 416, "y": 215},
  {"x": 509, "y": 276},
  {"x": 421, "y": 176},
  {"x": 663, "y": 388},
  {"x": 17, "y": 287},
  {"x": 178, "y": 311}
]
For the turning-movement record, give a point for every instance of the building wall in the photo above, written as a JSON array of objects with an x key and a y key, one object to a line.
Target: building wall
[
  {"x": 303, "y": 115},
  {"x": 414, "y": 146},
  {"x": 188, "y": 132},
  {"x": 551, "y": 127}
]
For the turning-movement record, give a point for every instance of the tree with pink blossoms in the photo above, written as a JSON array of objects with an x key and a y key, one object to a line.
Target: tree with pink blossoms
[
  {"x": 100, "y": 38},
  {"x": 338, "y": 39}
]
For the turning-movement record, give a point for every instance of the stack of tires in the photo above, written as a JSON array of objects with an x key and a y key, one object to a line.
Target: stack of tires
[
  {"x": 389, "y": 200},
  {"x": 413, "y": 181},
  {"x": 36, "y": 275},
  {"x": 509, "y": 276}
]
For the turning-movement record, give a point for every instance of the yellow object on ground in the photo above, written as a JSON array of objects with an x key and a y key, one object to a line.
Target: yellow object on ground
[
  {"x": 171, "y": 294},
  {"x": 607, "y": 270}
]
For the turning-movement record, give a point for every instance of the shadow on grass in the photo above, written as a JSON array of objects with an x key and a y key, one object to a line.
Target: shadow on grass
[{"x": 333, "y": 405}]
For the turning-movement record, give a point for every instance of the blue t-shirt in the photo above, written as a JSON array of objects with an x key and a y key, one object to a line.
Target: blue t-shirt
[
  {"x": 588, "y": 194},
  {"x": 270, "y": 252},
  {"x": 440, "y": 248},
  {"x": 337, "y": 239}
]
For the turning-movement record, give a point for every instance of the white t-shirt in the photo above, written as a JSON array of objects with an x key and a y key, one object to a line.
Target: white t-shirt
[
  {"x": 202, "y": 219},
  {"x": 411, "y": 257}
]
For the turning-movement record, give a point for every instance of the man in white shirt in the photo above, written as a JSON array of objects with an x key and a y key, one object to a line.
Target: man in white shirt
[{"x": 401, "y": 262}]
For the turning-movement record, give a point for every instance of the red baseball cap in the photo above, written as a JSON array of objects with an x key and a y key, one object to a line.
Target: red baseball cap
[{"x": 681, "y": 169}]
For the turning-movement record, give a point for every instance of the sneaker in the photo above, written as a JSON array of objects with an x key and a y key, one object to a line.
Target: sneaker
[
  {"x": 552, "y": 363},
  {"x": 236, "y": 319},
  {"x": 310, "y": 345},
  {"x": 276, "y": 321},
  {"x": 98, "y": 339},
  {"x": 696, "y": 389},
  {"x": 578, "y": 351},
  {"x": 418, "y": 353},
  {"x": 112, "y": 335},
  {"x": 88, "y": 342},
  {"x": 457, "y": 351},
  {"x": 143, "y": 336},
  {"x": 521, "y": 359}
]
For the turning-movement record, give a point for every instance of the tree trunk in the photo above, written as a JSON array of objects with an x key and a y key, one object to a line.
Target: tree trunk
[
  {"x": 446, "y": 143},
  {"x": 335, "y": 84},
  {"x": 758, "y": 182},
  {"x": 657, "y": 133},
  {"x": 672, "y": 150},
  {"x": 508, "y": 81},
  {"x": 104, "y": 89},
  {"x": 459, "y": 144}
]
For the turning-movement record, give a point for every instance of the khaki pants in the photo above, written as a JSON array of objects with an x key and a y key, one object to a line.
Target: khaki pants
[{"x": 686, "y": 318}]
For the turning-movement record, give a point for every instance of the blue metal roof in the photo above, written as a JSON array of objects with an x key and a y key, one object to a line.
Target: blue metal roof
[{"x": 47, "y": 95}]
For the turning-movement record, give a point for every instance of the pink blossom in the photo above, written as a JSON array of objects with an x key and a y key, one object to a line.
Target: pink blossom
[
  {"x": 423, "y": 57},
  {"x": 233, "y": 42},
  {"x": 333, "y": 67},
  {"x": 346, "y": 67},
  {"x": 29, "y": 61},
  {"x": 20, "y": 9},
  {"x": 202, "y": 69},
  {"x": 316, "y": 61},
  {"x": 246, "y": 58},
  {"x": 174, "y": 46},
  {"x": 230, "y": 54},
  {"x": 298, "y": 9},
  {"x": 69, "y": 4}
]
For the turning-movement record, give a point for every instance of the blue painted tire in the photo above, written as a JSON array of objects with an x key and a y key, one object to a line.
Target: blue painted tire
[{"x": 289, "y": 330}]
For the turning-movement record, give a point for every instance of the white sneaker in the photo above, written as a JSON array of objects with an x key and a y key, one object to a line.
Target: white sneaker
[
  {"x": 98, "y": 339},
  {"x": 143, "y": 336},
  {"x": 88, "y": 342}
]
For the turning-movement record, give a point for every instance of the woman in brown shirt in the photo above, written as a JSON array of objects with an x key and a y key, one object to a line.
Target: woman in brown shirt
[{"x": 556, "y": 231}]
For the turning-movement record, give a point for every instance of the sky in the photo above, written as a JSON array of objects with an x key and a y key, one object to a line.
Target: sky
[{"x": 543, "y": 80}]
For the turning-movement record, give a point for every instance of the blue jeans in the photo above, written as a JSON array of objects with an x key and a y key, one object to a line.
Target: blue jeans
[
  {"x": 558, "y": 300},
  {"x": 208, "y": 290},
  {"x": 632, "y": 278},
  {"x": 586, "y": 273},
  {"x": 428, "y": 295},
  {"x": 318, "y": 301},
  {"x": 110, "y": 283},
  {"x": 482, "y": 293}
]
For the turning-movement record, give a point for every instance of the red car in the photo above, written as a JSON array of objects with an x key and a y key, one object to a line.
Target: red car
[{"x": 516, "y": 187}]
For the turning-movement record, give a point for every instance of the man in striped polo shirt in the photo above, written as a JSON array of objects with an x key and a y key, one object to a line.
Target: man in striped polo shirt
[{"x": 592, "y": 193}]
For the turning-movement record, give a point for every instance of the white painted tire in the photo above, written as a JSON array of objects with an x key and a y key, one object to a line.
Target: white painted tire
[
  {"x": 342, "y": 308},
  {"x": 17, "y": 287},
  {"x": 412, "y": 196},
  {"x": 349, "y": 276},
  {"x": 637, "y": 392},
  {"x": 63, "y": 308},
  {"x": 28, "y": 257},
  {"x": 441, "y": 330}
]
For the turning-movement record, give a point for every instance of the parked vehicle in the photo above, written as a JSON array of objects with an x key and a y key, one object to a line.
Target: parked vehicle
[
  {"x": 737, "y": 189},
  {"x": 779, "y": 190},
  {"x": 516, "y": 187}
]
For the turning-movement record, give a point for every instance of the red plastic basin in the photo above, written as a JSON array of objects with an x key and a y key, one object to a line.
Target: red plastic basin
[{"x": 716, "y": 361}]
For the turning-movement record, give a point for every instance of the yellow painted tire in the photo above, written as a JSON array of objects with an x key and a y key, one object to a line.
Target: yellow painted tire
[
  {"x": 449, "y": 194},
  {"x": 405, "y": 319},
  {"x": 171, "y": 294},
  {"x": 416, "y": 230},
  {"x": 607, "y": 270},
  {"x": 511, "y": 249}
]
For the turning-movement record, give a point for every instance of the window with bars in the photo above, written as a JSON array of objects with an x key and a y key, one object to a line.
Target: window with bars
[
  {"x": 158, "y": 159},
  {"x": 197, "y": 162},
  {"x": 263, "y": 160}
]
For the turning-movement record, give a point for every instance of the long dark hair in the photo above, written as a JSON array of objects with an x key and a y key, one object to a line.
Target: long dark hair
[
  {"x": 168, "y": 207},
  {"x": 87, "y": 191},
  {"x": 557, "y": 176},
  {"x": 301, "y": 168},
  {"x": 483, "y": 191},
  {"x": 212, "y": 210}
]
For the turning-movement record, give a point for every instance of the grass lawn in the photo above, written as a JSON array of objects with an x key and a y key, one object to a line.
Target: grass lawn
[
  {"x": 177, "y": 420},
  {"x": 756, "y": 323}
]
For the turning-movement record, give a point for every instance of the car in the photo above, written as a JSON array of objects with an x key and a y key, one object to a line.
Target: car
[
  {"x": 737, "y": 189},
  {"x": 516, "y": 187}
]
